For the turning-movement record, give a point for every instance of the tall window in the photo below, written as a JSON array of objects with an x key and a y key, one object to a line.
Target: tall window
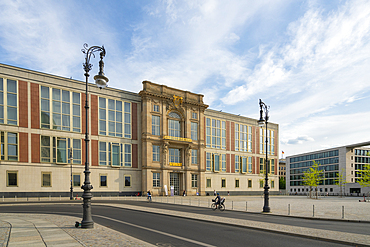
[
  {"x": 194, "y": 131},
  {"x": 103, "y": 180},
  {"x": 76, "y": 149},
  {"x": 60, "y": 109},
  {"x": 174, "y": 125},
  {"x": 243, "y": 138},
  {"x": 156, "y": 153},
  {"x": 236, "y": 183},
  {"x": 46, "y": 179},
  {"x": 76, "y": 180},
  {"x": 270, "y": 166},
  {"x": 209, "y": 183},
  {"x": 8, "y": 102},
  {"x": 194, "y": 156},
  {"x": 11, "y": 178},
  {"x": 57, "y": 150},
  {"x": 156, "y": 179},
  {"x": 115, "y": 154},
  {"x": 249, "y": 183},
  {"x": 194, "y": 180},
  {"x": 127, "y": 181},
  {"x": 215, "y": 133},
  {"x": 223, "y": 168},
  {"x": 208, "y": 161},
  {"x": 156, "y": 124},
  {"x": 237, "y": 163},
  {"x": 9, "y": 146},
  {"x": 223, "y": 182},
  {"x": 114, "y": 118},
  {"x": 270, "y": 139}
]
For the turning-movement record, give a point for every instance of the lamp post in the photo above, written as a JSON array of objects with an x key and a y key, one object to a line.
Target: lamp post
[
  {"x": 71, "y": 160},
  {"x": 261, "y": 122},
  {"x": 101, "y": 81}
]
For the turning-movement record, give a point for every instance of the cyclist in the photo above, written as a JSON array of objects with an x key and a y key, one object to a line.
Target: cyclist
[
  {"x": 149, "y": 196},
  {"x": 218, "y": 200}
]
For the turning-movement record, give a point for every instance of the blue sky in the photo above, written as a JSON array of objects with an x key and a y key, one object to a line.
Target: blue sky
[{"x": 308, "y": 60}]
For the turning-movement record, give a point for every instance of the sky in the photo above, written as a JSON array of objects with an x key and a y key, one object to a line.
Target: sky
[{"x": 308, "y": 60}]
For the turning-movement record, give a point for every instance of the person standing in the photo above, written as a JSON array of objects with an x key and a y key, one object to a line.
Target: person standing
[{"x": 214, "y": 192}]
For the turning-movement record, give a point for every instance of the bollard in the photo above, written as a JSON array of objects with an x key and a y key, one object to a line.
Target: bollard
[
  {"x": 342, "y": 212},
  {"x": 288, "y": 209},
  {"x": 246, "y": 206},
  {"x": 313, "y": 210},
  {"x": 232, "y": 205}
]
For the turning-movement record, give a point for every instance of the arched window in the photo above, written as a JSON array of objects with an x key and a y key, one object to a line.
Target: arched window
[{"x": 174, "y": 124}]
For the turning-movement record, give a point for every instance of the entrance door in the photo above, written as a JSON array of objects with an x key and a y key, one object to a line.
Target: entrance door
[{"x": 175, "y": 182}]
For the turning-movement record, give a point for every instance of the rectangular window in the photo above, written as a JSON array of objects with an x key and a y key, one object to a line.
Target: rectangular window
[
  {"x": 45, "y": 149},
  {"x": 103, "y": 180},
  {"x": 76, "y": 180},
  {"x": 115, "y": 154},
  {"x": 270, "y": 141},
  {"x": 243, "y": 138},
  {"x": 194, "y": 115},
  {"x": 76, "y": 112},
  {"x": 114, "y": 118},
  {"x": 194, "y": 131},
  {"x": 102, "y": 153},
  {"x": 8, "y": 101},
  {"x": 216, "y": 162},
  {"x": 194, "y": 156},
  {"x": 128, "y": 155},
  {"x": 156, "y": 125},
  {"x": 76, "y": 151},
  {"x": 194, "y": 180},
  {"x": 156, "y": 179},
  {"x": 57, "y": 150},
  {"x": 215, "y": 133},
  {"x": 46, "y": 179},
  {"x": 236, "y": 183},
  {"x": 223, "y": 168},
  {"x": 272, "y": 184},
  {"x": 249, "y": 164},
  {"x": 45, "y": 107},
  {"x": 127, "y": 181},
  {"x": 61, "y": 150},
  {"x": 243, "y": 164},
  {"x": 223, "y": 182},
  {"x": 174, "y": 128},
  {"x": 174, "y": 155},
  {"x": 208, "y": 161},
  {"x": 209, "y": 183},
  {"x": 249, "y": 183},
  {"x": 156, "y": 153},
  {"x": 237, "y": 163},
  {"x": 9, "y": 146},
  {"x": 156, "y": 108},
  {"x": 11, "y": 178}
]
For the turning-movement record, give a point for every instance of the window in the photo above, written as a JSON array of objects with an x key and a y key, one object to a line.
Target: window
[
  {"x": 127, "y": 181},
  {"x": 115, "y": 154},
  {"x": 223, "y": 182},
  {"x": 194, "y": 115},
  {"x": 209, "y": 184},
  {"x": 208, "y": 161},
  {"x": 216, "y": 162},
  {"x": 8, "y": 102},
  {"x": 272, "y": 184},
  {"x": 243, "y": 164},
  {"x": 11, "y": 178},
  {"x": 261, "y": 183},
  {"x": 76, "y": 151},
  {"x": 237, "y": 163},
  {"x": 270, "y": 141},
  {"x": 174, "y": 156},
  {"x": 194, "y": 156},
  {"x": 57, "y": 149},
  {"x": 236, "y": 183},
  {"x": 194, "y": 180},
  {"x": 46, "y": 179},
  {"x": 249, "y": 183},
  {"x": 114, "y": 116},
  {"x": 76, "y": 180},
  {"x": 103, "y": 180},
  {"x": 223, "y": 168},
  {"x": 215, "y": 133},
  {"x": 194, "y": 131},
  {"x": 270, "y": 166},
  {"x": 243, "y": 138},
  {"x": 174, "y": 125},
  {"x": 156, "y": 108},
  {"x": 156, "y": 179},
  {"x": 249, "y": 164},
  {"x": 9, "y": 146},
  {"x": 156, "y": 153},
  {"x": 156, "y": 125},
  {"x": 60, "y": 109}
]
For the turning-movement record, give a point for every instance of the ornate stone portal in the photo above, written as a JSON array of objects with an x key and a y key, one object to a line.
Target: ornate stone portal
[{"x": 173, "y": 123}]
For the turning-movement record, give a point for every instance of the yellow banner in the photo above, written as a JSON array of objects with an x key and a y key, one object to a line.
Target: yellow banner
[
  {"x": 175, "y": 164},
  {"x": 178, "y": 138}
]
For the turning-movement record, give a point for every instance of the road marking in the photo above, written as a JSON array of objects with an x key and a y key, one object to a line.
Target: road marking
[{"x": 159, "y": 232}]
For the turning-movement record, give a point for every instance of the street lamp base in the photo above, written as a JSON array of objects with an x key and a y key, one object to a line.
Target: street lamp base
[
  {"x": 87, "y": 224},
  {"x": 266, "y": 209}
]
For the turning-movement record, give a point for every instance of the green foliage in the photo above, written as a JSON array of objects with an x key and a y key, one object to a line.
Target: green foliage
[
  {"x": 312, "y": 176},
  {"x": 364, "y": 181},
  {"x": 282, "y": 183}
]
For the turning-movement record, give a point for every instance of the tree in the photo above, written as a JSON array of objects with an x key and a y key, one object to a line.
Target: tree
[
  {"x": 341, "y": 181},
  {"x": 282, "y": 183},
  {"x": 312, "y": 177},
  {"x": 364, "y": 181}
]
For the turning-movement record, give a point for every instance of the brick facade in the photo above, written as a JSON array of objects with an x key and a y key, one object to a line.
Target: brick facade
[
  {"x": 35, "y": 148},
  {"x": 134, "y": 156},
  {"x": 23, "y": 104},
  {"x": 134, "y": 122},
  {"x": 23, "y": 147},
  {"x": 35, "y": 106},
  {"x": 94, "y": 115}
]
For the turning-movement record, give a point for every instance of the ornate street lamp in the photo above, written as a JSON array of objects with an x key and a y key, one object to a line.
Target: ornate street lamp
[
  {"x": 261, "y": 122},
  {"x": 101, "y": 81}
]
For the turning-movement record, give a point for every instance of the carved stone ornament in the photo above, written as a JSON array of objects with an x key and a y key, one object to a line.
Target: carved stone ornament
[{"x": 177, "y": 100}]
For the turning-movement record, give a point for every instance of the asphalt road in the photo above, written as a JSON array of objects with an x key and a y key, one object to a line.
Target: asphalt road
[{"x": 164, "y": 230}]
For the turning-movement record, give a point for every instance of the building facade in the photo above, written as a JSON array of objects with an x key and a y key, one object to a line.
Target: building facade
[
  {"x": 346, "y": 161},
  {"x": 161, "y": 139}
]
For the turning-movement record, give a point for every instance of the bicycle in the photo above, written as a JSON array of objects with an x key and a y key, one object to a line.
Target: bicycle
[{"x": 221, "y": 206}]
